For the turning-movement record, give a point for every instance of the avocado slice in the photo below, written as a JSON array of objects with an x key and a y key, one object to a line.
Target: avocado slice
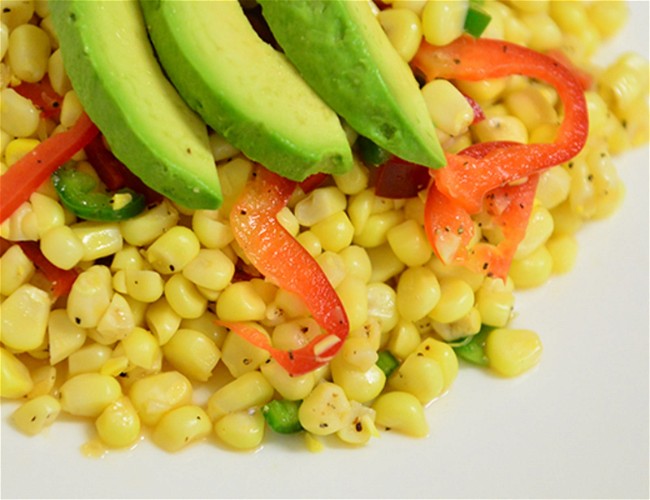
[
  {"x": 120, "y": 84},
  {"x": 245, "y": 89},
  {"x": 341, "y": 50}
]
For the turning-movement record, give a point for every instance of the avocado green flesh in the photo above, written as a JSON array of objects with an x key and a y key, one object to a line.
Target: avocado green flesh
[
  {"x": 244, "y": 89},
  {"x": 341, "y": 50},
  {"x": 113, "y": 69}
]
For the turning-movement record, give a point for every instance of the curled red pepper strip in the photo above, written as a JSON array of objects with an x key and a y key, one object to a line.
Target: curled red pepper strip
[
  {"x": 467, "y": 179},
  {"x": 28, "y": 173},
  {"x": 279, "y": 257}
]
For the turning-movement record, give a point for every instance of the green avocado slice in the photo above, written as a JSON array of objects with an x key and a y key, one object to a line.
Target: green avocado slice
[
  {"x": 113, "y": 69},
  {"x": 341, "y": 50},
  {"x": 244, "y": 89}
]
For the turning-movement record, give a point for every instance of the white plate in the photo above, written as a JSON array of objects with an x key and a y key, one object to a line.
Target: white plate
[{"x": 576, "y": 426}]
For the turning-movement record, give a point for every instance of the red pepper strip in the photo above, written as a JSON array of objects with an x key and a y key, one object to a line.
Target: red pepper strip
[
  {"x": 28, "y": 173},
  {"x": 43, "y": 96},
  {"x": 61, "y": 279},
  {"x": 585, "y": 79},
  {"x": 279, "y": 257},
  {"x": 466, "y": 179}
]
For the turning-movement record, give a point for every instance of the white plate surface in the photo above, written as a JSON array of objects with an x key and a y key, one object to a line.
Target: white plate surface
[{"x": 576, "y": 426}]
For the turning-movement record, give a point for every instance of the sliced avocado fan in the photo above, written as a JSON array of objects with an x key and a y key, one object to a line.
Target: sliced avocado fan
[
  {"x": 244, "y": 89},
  {"x": 341, "y": 50},
  {"x": 113, "y": 69}
]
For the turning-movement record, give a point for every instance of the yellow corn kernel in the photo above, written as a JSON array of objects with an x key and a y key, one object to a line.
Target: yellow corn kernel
[
  {"x": 19, "y": 116},
  {"x": 141, "y": 348},
  {"x": 17, "y": 148},
  {"x": 511, "y": 352},
  {"x": 354, "y": 297},
  {"x": 404, "y": 30},
  {"x": 24, "y": 318},
  {"x": 180, "y": 427},
  {"x": 143, "y": 284},
  {"x": 64, "y": 336},
  {"x": 173, "y": 250},
  {"x": 88, "y": 394},
  {"x": 118, "y": 426},
  {"x": 90, "y": 296},
  {"x": 155, "y": 395},
  {"x": 333, "y": 266},
  {"x": 358, "y": 352},
  {"x": 447, "y": 107},
  {"x": 354, "y": 180},
  {"x": 483, "y": 91},
  {"x": 553, "y": 187},
  {"x": 144, "y": 228},
  {"x": 621, "y": 83},
  {"x": 34, "y": 415},
  {"x": 356, "y": 262},
  {"x": 531, "y": 107},
  {"x": 21, "y": 225},
  {"x": 361, "y": 426},
  {"x": 16, "y": 269},
  {"x": 62, "y": 247},
  {"x": 44, "y": 378},
  {"x": 233, "y": 176},
  {"x": 532, "y": 270},
  {"x": 360, "y": 385},
  {"x": 240, "y": 302},
  {"x": 15, "y": 379},
  {"x": 335, "y": 232},
  {"x": 115, "y": 366},
  {"x": 100, "y": 239},
  {"x": 420, "y": 376},
  {"x": 242, "y": 430},
  {"x": 608, "y": 17},
  {"x": 57, "y": 74},
  {"x": 87, "y": 359},
  {"x": 565, "y": 220},
  {"x": 402, "y": 412},
  {"x": 292, "y": 387},
  {"x": 443, "y": 21},
  {"x": 382, "y": 306},
  {"x": 29, "y": 51},
  {"x": 539, "y": 229},
  {"x": 318, "y": 205},
  {"x": 240, "y": 356},
  {"x": 409, "y": 243},
  {"x": 384, "y": 263},
  {"x": 469, "y": 324},
  {"x": 221, "y": 148},
  {"x": 326, "y": 410},
  {"x": 376, "y": 227},
  {"x": 71, "y": 109},
  {"x": 545, "y": 34},
  {"x": 116, "y": 322},
  {"x": 192, "y": 353},
  {"x": 184, "y": 297},
  {"x": 247, "y": 391},
  {"x": 404, "y": 339},
  {"x": 288, "y": 221},
  {"x": 211, "y": 269},
  {"x": 310, "y": 242},
  {"x": 296, "y": 333},
  {"x": 442, "y": 271},
  {"x": 360, "y": 208},
  {"x": 501, "y": 128},
  {"x": 564, "y": 251},
  {"x": 444, "y": 354},
  {"x": 206, "y": 324},
  {"x": 418, "y": 292},
  {"x": 456, "y": 300},
  {"x": 211, "y": 231}
]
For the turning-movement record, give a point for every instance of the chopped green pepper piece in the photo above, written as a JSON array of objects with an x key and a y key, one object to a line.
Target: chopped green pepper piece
[
  {"x": 371, "y": 154},
  {"x": 476, "y": 19},
  {"x": 80, "y": 194},
  {"x": 282, "y": 416},
  {"x": 474, "y": 350},
  {"x": 386, "y": 362}
]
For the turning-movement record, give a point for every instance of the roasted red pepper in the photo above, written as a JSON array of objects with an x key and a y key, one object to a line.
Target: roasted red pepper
[
  {"x": 481, "y": 177},
  {"x": 28, "y": 173},
  {"x": 466, "y": 179},
  {"x": 282, "y": 260}
]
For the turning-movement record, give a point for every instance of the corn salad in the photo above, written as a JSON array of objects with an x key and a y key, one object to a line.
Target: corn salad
[{"x": 134, "y": 343}]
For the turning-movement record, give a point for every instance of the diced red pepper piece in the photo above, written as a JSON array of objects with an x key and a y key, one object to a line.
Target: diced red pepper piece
[
  {"x": 466, "y": 179},
  {"x": 28, "y": 173},
  {"x": 283, "y": 261},
  {"x": 43, "y": 96},
  {"x": 61, "y": 279}
]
